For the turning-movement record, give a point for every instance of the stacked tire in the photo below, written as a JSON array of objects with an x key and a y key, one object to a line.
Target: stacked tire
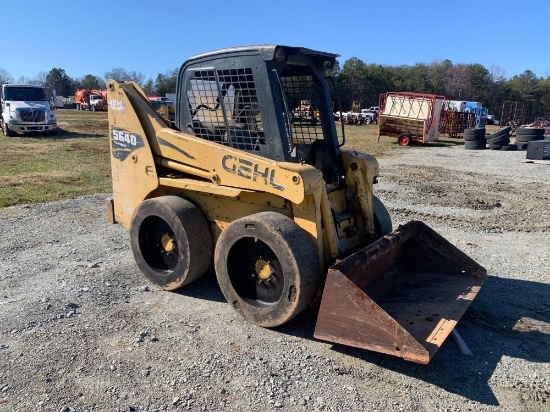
[
  {"x": 500, "y": 140},
  {"x": 474, "y": 138},
  {"x": 524, "y": 135}
]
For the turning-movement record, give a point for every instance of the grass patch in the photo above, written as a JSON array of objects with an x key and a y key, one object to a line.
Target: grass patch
[
  {"x": 37, "y": 168},
  {"x": 364, "y": 138}
]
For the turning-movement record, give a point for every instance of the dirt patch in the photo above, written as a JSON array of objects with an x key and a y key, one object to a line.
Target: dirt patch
[
  {"x": 90, "y": 128},
  {"x": 89, "y": 148},
  {"x": 34, "y": 147},
  {"x": 481, "y": 200}
]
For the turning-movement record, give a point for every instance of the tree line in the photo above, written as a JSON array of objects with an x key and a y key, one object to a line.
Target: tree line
[
  {"x": 58, "y": 80},
  {"x": 357, "y": 81}
]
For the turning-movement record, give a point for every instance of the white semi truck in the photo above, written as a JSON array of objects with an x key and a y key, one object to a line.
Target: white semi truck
[{"x": 25, "y": 109}]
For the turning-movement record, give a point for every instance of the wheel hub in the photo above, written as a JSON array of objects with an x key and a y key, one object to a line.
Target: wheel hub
[
  {"x": 262, "y": 269},
  {"x": 167, "y": 243}
]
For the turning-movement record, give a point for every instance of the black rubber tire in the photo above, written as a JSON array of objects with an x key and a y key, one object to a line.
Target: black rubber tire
[
  {"x": 495, "y": 136},
  {"x": 473, "y": 138},
  {"x": 171, "y": 241},
  {"x": 535, "y": 131},
  {"x": 528, "y": 137},
  {"x": 509, "y": 148},
  {"x": 475, "y": 145},
  {"x": 504, "y": 129},
  {"x": 93, "y": 108},
  {"x": 497, "y": 146},
  {"x": 267, "y": 268},
  {"x": 474, "y": 133},
  {"x": 7, "y": 130},
  {"x": 474, "y": 130},
  {"x": 382, "y": 219},
  {"x": 503, "y": 139},
  {"x": 404, "y": 139}
]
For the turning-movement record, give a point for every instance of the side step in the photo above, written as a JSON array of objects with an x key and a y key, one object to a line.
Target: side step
[{"x": 402, "y": 295}]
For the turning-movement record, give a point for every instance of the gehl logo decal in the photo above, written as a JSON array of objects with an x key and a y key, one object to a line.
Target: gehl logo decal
[{"x": 249, "y": 170}]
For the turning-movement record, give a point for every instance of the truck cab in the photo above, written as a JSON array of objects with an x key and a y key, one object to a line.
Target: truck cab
[
  {"x": 369, "y": 115},
  {"x": 25, "y": 109},
  {"x": 96, "y": 102}
]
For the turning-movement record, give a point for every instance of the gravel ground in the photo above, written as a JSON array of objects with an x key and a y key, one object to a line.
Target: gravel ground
[{"x": 81, "y": 330}]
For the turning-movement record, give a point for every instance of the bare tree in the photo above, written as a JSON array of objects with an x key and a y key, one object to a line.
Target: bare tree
[
  {"x": 5, "y": 77},
  {"x": 23, "y": 80},
  {"x": 456, "y": 82},
  {"x": 120, "y": 74},
  {"x": 498, "y": 73},
  {"x": 40, "y": 78}
]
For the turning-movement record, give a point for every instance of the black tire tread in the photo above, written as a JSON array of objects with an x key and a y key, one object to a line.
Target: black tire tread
[
  {"x": 195, "y": 240},
  {"x": 300, "y": 257},
  {"x": 537, "y": 131},
  {"x": 503, "y": 139}
]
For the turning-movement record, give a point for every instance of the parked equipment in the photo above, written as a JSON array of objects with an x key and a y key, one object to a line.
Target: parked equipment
[
  {"x": 480, "y": 112},
  {"x": 513, "y": 113},
  {"x": 410, "y": 116},
  {"x": 25, "y": 109},
  {"x": 305, "y": 112},
  {"x": 280, "y": 208},
  {"x": 94, "y": 100},
  {"x": 455, "y": 123},
  {"x": 461, "y": 115},
  {"x": 164, "y": 107}
]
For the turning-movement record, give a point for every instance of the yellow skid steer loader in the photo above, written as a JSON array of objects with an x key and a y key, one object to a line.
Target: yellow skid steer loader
[{"x": 283, "y": 212}]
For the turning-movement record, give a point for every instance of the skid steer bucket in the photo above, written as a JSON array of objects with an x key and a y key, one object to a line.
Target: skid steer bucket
[{"x": 402, "y": 295}]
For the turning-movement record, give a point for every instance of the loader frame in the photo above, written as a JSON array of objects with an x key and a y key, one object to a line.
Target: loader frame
[{"x": 272, "y": 200}]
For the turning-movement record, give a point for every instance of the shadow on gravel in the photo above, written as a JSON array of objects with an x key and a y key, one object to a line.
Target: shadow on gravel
[
  {"x": 205, "y": 288},
  {"x": 508, "y": 318},
  {"x": 447, "y": 143}
]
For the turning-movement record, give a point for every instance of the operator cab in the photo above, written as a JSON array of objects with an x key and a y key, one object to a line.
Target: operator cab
[{"x": 272, "y": 101}]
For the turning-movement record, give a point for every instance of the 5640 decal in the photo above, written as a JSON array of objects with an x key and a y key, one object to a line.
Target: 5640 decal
[{"x": 123, "y": 143}]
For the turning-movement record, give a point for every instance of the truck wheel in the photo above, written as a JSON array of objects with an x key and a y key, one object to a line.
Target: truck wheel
[
  {"x": 93, "y": 108},
  {"x": 7, "y": 130},
  {"x": 171, "y": 241},
  {"x": 404, "y": 139},
  {"x": 267, "y": 268},
  {"x": 382, "y": 219}
]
